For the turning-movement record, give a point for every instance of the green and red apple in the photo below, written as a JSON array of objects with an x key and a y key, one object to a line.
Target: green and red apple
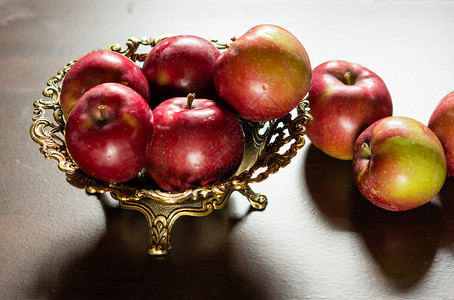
[
  {"x": 399, "y": 163},
  {"x": 345, "y": 98},
  {"x": 109, "y": 131},
  {"x": 442, "y": 124},
  {"x": 264, "y": 74},
  {"x": 100, "y": 67}
]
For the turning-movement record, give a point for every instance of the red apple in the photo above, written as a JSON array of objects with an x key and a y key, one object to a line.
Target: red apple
[
  {"x": 399, "y": 163},
  {"x": 180, "y": 65},
  {"x": 264, "y": 74},
  {"x": 345, "y": 98},
  {"x": 442, "y": 124},
  {"x": 99, "y": 67},
  {"x": 197, "y": 142},
  {"x": 109, "y": 131}
]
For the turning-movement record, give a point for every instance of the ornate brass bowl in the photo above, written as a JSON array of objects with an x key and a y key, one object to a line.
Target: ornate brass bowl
[{"x": 269, "y": 147}]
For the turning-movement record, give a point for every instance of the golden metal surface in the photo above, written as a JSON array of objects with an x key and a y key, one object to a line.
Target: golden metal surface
[{"x": 270, "y": 146}]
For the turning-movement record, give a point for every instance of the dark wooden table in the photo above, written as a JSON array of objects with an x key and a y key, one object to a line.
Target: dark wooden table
[{"x": 318, "y": 238}]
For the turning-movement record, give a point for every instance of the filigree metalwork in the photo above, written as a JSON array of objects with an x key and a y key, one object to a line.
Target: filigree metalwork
[{"x": 270, "y": 146}]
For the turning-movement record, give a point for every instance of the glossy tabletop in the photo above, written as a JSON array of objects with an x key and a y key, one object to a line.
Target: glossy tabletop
[{"x": 318, "y": 238}]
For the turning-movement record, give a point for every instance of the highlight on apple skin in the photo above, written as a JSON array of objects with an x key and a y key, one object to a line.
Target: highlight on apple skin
[{"x": 399, "y": 163}]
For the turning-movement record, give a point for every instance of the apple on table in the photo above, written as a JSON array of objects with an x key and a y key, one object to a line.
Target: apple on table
[
  {"x": 399, "y": 163},
  {"x": 264, "y": 74},
  {"x": 109, "y": 131},
  {"x": 197, "y": 142},
  {"x": 98, "y": 67},
  {"x": 442, "y": 124},
  {"x": 344, "y": 98}
]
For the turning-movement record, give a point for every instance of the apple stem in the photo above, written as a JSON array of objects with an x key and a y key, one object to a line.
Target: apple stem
[
  {"x": 191, "y": 97},
  {"x": 348, "y": 78},
  {"x": 102, "y": 110},
  {"x": 366, "y": 149}
]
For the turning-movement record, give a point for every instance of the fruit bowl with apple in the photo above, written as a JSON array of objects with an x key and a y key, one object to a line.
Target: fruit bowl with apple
[{"x": 269, "y": 146}]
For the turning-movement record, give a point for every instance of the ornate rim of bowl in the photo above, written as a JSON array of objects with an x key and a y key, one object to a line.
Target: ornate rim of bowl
[{"x": 270, "y": 147}]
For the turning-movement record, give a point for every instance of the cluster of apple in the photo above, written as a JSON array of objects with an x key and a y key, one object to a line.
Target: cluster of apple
[
  {"x": 398, "y": 162},
  {"x": 122, "y": 118}
]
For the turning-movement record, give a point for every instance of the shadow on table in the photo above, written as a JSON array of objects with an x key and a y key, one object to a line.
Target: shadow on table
[
  {"x": 446, "y": 196},
  {"x": 200, "y": 264},
  {"x": 403, "y": 244}
]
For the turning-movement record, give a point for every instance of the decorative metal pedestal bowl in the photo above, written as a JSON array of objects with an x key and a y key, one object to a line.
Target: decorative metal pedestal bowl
[{"x": 269, "y": 147}]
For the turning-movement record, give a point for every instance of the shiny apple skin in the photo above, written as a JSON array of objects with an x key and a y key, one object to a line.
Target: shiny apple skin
[
  {"x": 194, "y": 147},
  {"x": 110, "y": 143},
  {"x": 100, "y": 67},
  {"x": 442, "y": 124},
  {"x": 406, "y": 166},
  {"x": 264, "y": 74},
  {"x": 180, "y": 65},
  {"x": 342, "y": 110}
]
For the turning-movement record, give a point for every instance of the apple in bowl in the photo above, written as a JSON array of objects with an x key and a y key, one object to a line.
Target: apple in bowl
[
  {"x": 109, "y": 131},
  {"x": 98, "y": 67},
  {"x": 345, "y": 98},
  {"x": 442, "y": 124},
  {"x": 264, "y": 74},
  {"x": 398, "y": 163},
  {"x": 197, "y": 142},
  {"x": 180, "y": 65}
]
